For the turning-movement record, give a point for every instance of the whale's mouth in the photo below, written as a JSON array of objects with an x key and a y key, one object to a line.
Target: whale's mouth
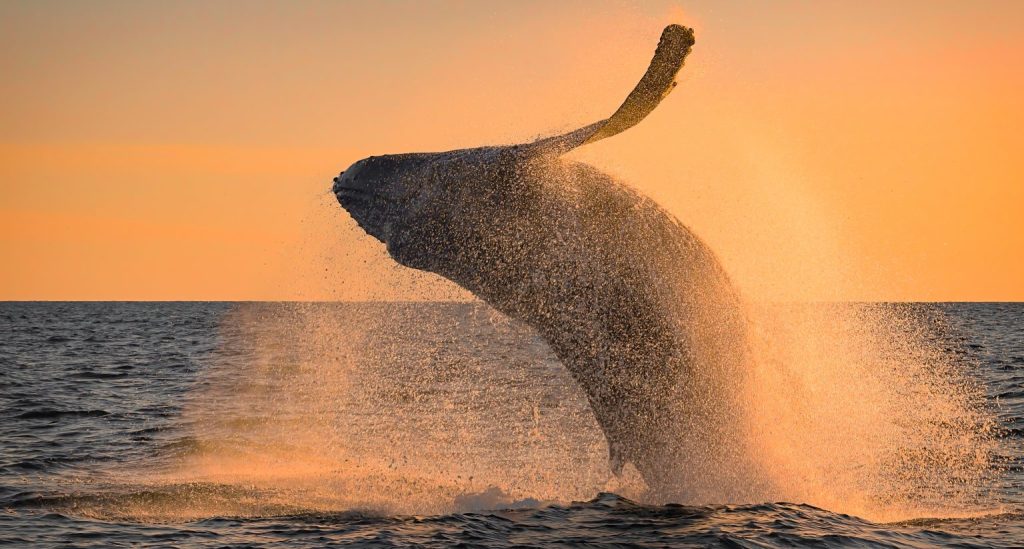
[
  {"x": 352, "y": 193},
  {"x": 371, "y": 211}
]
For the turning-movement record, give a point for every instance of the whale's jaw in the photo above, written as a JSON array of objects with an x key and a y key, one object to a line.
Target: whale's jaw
[
  {"x": 380, "y": 191},
  {"x": 366, "y": 209},
  {"x": 371, "y": 210}
]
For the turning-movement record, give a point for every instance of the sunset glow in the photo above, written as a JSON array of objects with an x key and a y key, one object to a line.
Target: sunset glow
[{"x": 826, "y": 151}]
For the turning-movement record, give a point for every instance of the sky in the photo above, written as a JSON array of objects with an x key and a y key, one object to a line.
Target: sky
[{"x": 858, "y": 151}]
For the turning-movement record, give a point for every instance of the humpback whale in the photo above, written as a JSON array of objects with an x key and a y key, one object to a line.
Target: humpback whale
[{"x": 630, "y": 300}]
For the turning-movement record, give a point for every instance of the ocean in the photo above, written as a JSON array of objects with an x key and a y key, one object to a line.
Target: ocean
[{"x": 446, "y": 424}]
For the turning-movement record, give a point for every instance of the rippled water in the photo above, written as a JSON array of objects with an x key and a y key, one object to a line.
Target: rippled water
[{"x": 389, "y": 424}]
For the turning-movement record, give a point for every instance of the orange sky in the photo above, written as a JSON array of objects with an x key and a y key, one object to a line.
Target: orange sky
[{"x": 826, "y": 150}]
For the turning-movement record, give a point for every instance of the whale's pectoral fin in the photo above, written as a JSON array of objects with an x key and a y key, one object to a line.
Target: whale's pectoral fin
[{"x": 658, "y": 81}]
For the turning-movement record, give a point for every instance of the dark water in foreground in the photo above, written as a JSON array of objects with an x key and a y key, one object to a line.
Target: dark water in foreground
[{"x": 239, "y": 424}]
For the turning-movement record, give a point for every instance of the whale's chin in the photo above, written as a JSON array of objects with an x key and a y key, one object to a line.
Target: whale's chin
[
  {"x": 379, "y": 218},
  {"x": 370, "y": 211}
]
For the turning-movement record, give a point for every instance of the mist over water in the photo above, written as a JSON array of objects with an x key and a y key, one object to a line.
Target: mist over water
[
  {"x": 866, "y": 409},
  {"x": 406, "y": 409},
  {"x": 860, "y": 409}
]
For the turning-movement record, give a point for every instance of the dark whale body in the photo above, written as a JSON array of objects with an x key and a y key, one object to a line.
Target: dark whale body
[{"x": 631, "y": 301}]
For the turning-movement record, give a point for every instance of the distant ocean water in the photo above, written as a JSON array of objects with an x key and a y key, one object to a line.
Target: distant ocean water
[{"x": 387, "y": 424}]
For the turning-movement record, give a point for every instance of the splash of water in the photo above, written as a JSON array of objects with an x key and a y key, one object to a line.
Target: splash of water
[
  {"x": 408, "y": 409},
  {"x": 860, "y": 409},
  {"x": 436, "y": 408}
]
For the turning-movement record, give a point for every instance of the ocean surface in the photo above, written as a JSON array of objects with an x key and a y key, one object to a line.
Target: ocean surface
[{"x": 441, "y": 424}]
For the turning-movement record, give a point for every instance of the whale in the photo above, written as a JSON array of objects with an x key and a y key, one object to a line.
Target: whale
[{"x": 632, "y": 302}]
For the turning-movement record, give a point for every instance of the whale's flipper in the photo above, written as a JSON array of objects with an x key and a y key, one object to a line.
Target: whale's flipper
[{"x": 658, "y": 81}]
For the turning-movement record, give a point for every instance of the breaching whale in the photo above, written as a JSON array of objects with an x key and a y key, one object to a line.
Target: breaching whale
[{"x": 634, "y": 304}]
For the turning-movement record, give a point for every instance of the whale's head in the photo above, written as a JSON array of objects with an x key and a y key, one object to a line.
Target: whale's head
[
  {"x": 379, "y": 191},
  {"x": 429, "y": 209}
]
